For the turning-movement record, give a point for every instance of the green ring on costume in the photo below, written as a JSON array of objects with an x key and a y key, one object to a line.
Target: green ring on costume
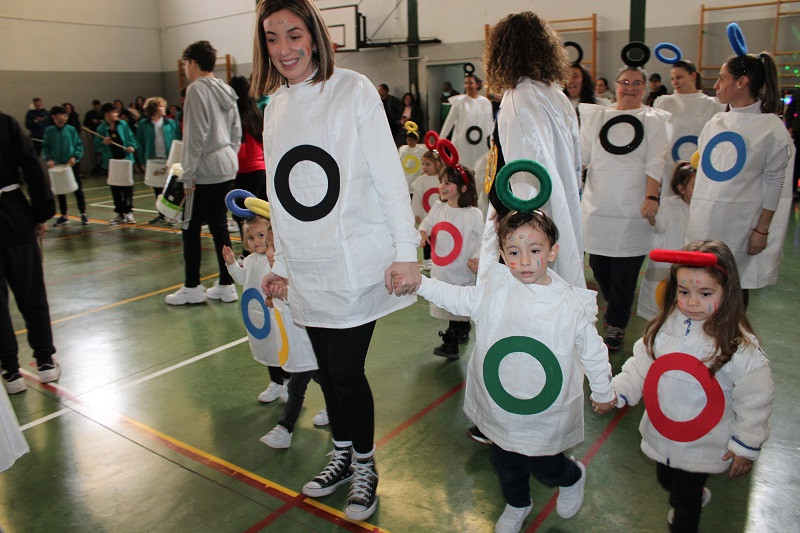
[
  {"x": 506, "y": 195},
  {"x": 554, "y": 378}
]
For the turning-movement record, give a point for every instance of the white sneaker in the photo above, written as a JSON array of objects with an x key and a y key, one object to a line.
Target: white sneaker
[
  {"x": 49, "y": 372},
  {"x": 705, "y": 498},
  {"x": 271, "y": 393},
  {"x": 279, "y": 437},
  {"x": 512, "y": 518},
  {"x": 426, "y": 264},
  {"x": 570, "y": 499},
  {"x": 129, "y": 218},
  {"x": 321, "y": 418},
  {"x": 226, "y": 293},
  {"x": 13, "y": 383},
  {"x": 284, "y": 397},
  {"x": 233, "y": 227},
  {"x": 187, "y": 295}
]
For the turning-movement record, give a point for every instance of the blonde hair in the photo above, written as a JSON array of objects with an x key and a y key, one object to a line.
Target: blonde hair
[{"x": 152, "y": 104}]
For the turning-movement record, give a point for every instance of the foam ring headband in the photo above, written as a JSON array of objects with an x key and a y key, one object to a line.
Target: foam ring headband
[
  {"x": 506, "y": 195},
  {"x": 411, "y": 126},
  {"x": 736, "y": 38},
  {"x": 431, "y": 140},
  {"x": 257, "y": 206},
  {"x": 576, "y": 46},
  {"x": 672, "y": 48},
  {"x": 687, "y": 258},
  {"x": 695, "y": 160},
  {"x": 469, "y": 68},
  {"x": 236, "y": 194},
  {"x": 625, "y": 54},
  {"x": 447, "y": 151}
]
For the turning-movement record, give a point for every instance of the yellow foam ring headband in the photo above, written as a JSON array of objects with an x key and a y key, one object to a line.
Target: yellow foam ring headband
[
  {"x": 257, "y": 206},
  {"x": 695, "y": 160},
  {"x": 411, "y": 126},
  {"x": 283, "y": 353}
]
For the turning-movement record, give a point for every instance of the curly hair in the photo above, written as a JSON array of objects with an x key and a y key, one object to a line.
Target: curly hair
[{"x": 520, "y": 45}]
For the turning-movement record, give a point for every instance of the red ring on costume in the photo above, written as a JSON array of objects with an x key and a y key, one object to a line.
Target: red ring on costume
[
  {"x": 706, "y": 420},
  {"x": 447, "y": 151},
  {"x": 458, "y": 242},
  {"x": 431, "y": 140},
  {"x": 426, "y": 198}
]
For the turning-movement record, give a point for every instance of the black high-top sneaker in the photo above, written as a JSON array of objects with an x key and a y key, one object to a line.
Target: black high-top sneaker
[
  {"x": 449, "y": 347},
  {"x": 338, "y": 472},
  {"x": 363, "y": 498},
  {"x": 463, "y": 332}
]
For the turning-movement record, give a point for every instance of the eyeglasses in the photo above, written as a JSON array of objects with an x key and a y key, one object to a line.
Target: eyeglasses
[{"x": 635, "y": 83}]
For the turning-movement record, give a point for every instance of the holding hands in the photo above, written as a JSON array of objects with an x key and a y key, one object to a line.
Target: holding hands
[
  {"x": 274, "y": 286},
  {"x": 402, "y": 278},
  {"x": 602, "y": 408}
]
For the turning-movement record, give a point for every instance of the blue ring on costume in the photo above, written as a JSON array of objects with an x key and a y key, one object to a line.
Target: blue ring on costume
[
  {"x": 672, "y": 48},
  {"x": 480, "y": 135},
  {"x": 315, "y": 154},
  {"x": 736, "y": 38},
  {"x": 680, "y": 142},
  {"x": 507, "y": 196},
  {"x": 635, "y": 62},
  {"x": 230, "y": 203},
  {"x": 576, "y": 46},
  {"x": 741, "y": 156},
  {"x": 469, "y": 68},
  {"x": 638, "y": 135},
  {"x": 257, "y": 333}
]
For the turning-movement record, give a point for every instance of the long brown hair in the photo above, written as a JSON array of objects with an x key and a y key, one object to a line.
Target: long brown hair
[
  {"x": 266, "y": 78},
  {"x": 728, "y": 326},
  {"x": 763, "y": 76}
]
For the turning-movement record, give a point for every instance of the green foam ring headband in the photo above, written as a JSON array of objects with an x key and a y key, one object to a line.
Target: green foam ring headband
[{"x": 506, "y": 195}]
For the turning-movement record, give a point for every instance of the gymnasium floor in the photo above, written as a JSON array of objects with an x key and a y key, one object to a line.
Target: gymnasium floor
[{"x": 154, "y": 425}]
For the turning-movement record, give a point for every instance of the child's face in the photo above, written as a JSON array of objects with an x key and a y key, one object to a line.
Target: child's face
[
  {"x": 527, "y": 252},
  {"x": 449, "y": 192},
  {"x": 60, "y": 119},
  {"x": 112, "y": 116},
  {"x": 687, "y": 190},
  {"x": 428, "y": 167},
  {"x": 258, "y": 238},
  {"x": 699, "y": 294},
  {"x": 411, "y": 141}
]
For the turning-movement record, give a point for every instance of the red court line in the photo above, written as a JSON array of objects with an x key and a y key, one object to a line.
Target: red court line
[{"x": 586, "y": 459}]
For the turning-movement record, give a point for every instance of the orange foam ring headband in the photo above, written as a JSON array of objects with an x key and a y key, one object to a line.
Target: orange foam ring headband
[{"x": 687, "y": 258}]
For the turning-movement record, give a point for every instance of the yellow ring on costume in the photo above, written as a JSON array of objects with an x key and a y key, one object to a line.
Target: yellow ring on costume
[
  {"x": 414, "y": 160},
  {"x": 411, "y": 126},
  {"x": 257, "y": 206},
  {"x": 661, "y": 290},
  {"x": 283, "y": 353},
  {"x": 695, "y": 160},
  {"x": 491, "y": 169}
]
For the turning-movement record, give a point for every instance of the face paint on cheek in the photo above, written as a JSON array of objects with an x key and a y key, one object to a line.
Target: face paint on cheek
[
  {"x": 538, "y": 263},
  {"x": 301, "y": 53},
  {"x": 710, "y": 308},
  {"x": 512, "y": 265}
]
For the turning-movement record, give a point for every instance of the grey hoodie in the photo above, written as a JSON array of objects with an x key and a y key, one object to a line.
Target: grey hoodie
[{"x": 212, "y": 132}]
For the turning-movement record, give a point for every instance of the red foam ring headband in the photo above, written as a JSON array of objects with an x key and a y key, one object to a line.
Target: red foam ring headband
[
  {"x": 686, "y": 258},
  {"x": 447, "y": 151},
  {"x": 461, "y": 171},
  {"x": 431, "y": 140}
]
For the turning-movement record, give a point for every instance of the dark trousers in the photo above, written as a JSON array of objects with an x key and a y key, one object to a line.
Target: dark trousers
[
  {"x": 277, "y": 374},
  {"x": 685, "y": 496},
  {"x": 617, "y": 277},
  {"x": 297, "y": 394},
  {"x": 79, "y": 198},
  {"x": 426, "y": 251},
  {"x": 21, "y": 269},
  {"x": 341, "y": 354},
  {"x": 514, "y": 470},
  {"x": 123, "y": 198},
  {"x": 208, "y": 208}
]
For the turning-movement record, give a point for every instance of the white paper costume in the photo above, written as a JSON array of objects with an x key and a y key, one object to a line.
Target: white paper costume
[
  {"x": 12, "y": 443},
  {"x": 734, "y": 183},
  {"x": 426, "y": 193},
  {"x": 282, "y": 342},
  {"x": 457, "y": 238},
  {"x": 670, "y": 234},
  {"x": 529, "y": 403},
  {"x": 698, "y": 417},
  {"x": 470, "y": 120},
  {"x": 537, "y": 122},
  {"x": 411, "y": 159},
  {"x": 339, "y": 200},
  {"x": 616, "y": 184}
]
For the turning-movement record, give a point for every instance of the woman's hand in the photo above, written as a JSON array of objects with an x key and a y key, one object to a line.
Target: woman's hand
[
  {"x": 756, "y": 243},
  {"x": 408, "y": 278},
  {"x": 274, "y": 286},
  {"x": 649, "y": 209}
]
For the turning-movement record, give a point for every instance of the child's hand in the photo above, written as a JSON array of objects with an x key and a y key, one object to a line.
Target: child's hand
[
  {"x": 51, "y": 164},
  {"x": 130, "y": 149},
  {"x": 71, "y": 161},
  {"x": 423, "y": 238},
  {"x": 106, "y": 140},
  {"x": 473, "y": 265},
  {"x": 603, "y": 408},
  {"x": 227, "y": 255},
  {"x": 740, "y": 466},
  {"x": 417, "y": 219}
]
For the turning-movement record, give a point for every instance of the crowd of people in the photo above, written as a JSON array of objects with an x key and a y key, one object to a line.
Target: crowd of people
[{"x": 340, "y": 251}]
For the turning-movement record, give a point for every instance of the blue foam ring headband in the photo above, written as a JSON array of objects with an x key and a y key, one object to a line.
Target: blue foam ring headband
[
  {"x": 231, "y": 204},
  {"x": 736, "y": 39},
  {"x": 507, "y": 196},
  {"x": 576, "y": 46},
  {"x": 677, "y": 55}
]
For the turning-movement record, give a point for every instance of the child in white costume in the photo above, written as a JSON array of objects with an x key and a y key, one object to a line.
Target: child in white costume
[
  {"x": 454, "y": 226},
  {"x": 705, "y": 381},
  {"x": 12, "y": 443},
  {"x": 470, "y": 121},
  {"x": 424, "y": 194},
  {"x": 524, "y": 313},
  {"x": 410, "y": 157},
  {"x": 669, "y": 226},
  {"x": 285, "y": 344}
]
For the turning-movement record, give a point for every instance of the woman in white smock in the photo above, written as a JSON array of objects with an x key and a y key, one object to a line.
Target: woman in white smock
[{"x": 470, "y": 121}]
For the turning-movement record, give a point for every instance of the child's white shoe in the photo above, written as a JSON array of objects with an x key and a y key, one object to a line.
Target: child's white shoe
[
  {"x": 279, "y": 437},
  {"x": 570, "y": 499},
  {"x": 703, "y": 502},
  {"x": 512, "y": 518},
  {"x": 271, "y": 393},
  {"x": 321, "y": 418}
]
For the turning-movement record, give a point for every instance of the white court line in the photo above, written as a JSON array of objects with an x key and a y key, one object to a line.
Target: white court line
[{"x": 132, "y": 383}]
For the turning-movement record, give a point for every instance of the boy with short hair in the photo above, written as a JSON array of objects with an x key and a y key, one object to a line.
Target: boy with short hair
[
  {"x": 115, "y": 134},
  {"x": 62, "y": 145}
]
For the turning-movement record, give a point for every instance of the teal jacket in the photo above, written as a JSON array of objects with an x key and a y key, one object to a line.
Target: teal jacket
[
  {"x": 146, "y": 137},
  {"x": 125, "y": 135},
  {"x": 60, "y": 144}
]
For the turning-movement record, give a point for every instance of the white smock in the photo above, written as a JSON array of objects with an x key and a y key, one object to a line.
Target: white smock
[
  {"x": 335, "y": 262},
  {"x": 729, "y": 210},
  {"x": 12, "y": 442},
  {"x": 616, "y": 184},
  {"x": 411, "y": 159},
  {"x": 425, "y": 191},
  {"x": 560, "y": 317},
  {"x": 470, "y": 120}
]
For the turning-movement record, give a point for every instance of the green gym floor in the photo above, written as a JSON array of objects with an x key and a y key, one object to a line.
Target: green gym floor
[{"x": 154, "y": 424}]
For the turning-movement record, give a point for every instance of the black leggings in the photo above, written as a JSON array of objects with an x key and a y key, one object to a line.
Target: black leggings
[
  {"x": 341, "y": 354},
  {"x": 297, "y": 394},
  {"x": 79, "y": 198},
  {"x": 685, "y": 495}
]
